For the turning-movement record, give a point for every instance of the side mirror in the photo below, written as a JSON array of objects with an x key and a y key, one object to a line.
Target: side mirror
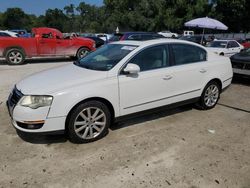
[{"x": 132, "y": 69}]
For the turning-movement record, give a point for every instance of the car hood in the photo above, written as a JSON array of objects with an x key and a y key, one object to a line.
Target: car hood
[
  {"x": 241, "y": 57},
  {"x": 57, "y": 79}
]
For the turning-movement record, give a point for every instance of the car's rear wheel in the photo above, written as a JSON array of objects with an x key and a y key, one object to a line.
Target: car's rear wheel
[
  {"x": 82, "y": 52},
  {"x": 15, "y": 56},
  {"x": 210, "y": 96},
  {"x": 89, "y": 122}
]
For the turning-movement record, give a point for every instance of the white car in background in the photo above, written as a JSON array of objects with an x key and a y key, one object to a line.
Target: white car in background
[
  {"x": 225, "y": 47},
  {"x": 103, "y": 36},
  {"x": 116, "y": 80},
  {"x": 168, "y": 34},
  {"x": 8, "y": 34}
]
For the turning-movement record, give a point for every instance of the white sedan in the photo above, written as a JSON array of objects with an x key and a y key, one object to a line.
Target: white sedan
[
  {"x": 168, "y": 34},
  {"x": 225, "y": 47},
  {"x": 8, "y": 34},
  {"x": 118, "y": 79}
]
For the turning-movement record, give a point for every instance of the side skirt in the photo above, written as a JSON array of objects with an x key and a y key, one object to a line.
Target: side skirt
[{"x": 167, "y": 107}]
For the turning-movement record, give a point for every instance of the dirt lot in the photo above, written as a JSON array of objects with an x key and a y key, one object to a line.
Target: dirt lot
[{"x": 183, "y": 147}]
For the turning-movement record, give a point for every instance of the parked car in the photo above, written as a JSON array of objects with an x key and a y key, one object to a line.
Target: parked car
[
  {"x": 241, "y": 62},
  {"x": 21, "y": 32},
  {"x": 225, "y": 47},
  {"x": 119, "y": 79},
  {"x": 139, "y": 36},
  {"x": 46, "y": 42},
  {"x": 168, "y": 34},
  {"x": 8, "y": 34},
  {"x": 98, "y": 42},
  {"x": 103, "y": 36},
  {"x": 195, "y": 38},
  {"x": 245, "y": 42}
]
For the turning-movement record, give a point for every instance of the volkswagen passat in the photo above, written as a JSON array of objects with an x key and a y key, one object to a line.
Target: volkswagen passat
[{"x": 118, "y": 79}]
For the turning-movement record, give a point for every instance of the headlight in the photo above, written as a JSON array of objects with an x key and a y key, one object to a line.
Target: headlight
[{"x": 36, "y": 101}]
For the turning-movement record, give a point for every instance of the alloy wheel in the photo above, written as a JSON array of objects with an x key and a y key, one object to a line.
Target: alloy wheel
[
  {"x": 211, "y": 95},
  {"x": 90, "y": 123},
  {"x": 15, "y": 57}
]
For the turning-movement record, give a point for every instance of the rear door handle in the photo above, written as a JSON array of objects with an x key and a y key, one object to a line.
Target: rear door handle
[
  {"x": 203, "y": 70},
  {"x": 167, "y": 77}
]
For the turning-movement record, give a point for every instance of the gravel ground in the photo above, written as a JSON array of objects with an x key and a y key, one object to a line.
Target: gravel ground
[{"x": 183, "y": 147}]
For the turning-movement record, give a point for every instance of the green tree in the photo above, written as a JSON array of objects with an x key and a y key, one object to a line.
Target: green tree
[
  {"x": 55, "y": 18},
  {"x": 15, "y": 18}
]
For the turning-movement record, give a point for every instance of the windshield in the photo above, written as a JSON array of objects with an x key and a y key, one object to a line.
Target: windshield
[
  {"x": 218, "y": 44},
  {"x": 106, "y": 57}
]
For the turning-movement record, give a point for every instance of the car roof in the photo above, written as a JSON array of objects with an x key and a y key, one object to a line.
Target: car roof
[
  {"x": 155, "y": 41},
  {"x": 224, "y": 40}
]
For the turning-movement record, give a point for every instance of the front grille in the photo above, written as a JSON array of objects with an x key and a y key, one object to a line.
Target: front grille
[
  {"x": 15, "y": 97},
  {"x": 237, "y": 65}
]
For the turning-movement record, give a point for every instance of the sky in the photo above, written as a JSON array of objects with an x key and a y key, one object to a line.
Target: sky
[{"x": 39, "y": 7}]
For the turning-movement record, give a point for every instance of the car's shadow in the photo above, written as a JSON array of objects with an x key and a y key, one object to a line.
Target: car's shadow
[
  {"x": 128, "y": 121},
  {"x": 43, "y": 60}
]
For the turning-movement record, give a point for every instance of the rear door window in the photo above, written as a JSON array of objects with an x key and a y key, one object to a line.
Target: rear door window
[{"x": 186, "y": 53}]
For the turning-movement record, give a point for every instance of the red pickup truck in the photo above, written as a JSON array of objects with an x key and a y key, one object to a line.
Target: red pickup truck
[{"x": 45, "y": 42}]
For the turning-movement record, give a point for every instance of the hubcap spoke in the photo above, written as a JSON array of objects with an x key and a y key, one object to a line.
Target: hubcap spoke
[
  {"x": 99, "y": 117},
  {"x": 89, "y": 112},
  {"x": 83, "y": 116},
  {"x": 96, "y": 113},
  {"x": 97, "y": 128},
  {"x": 81, "y": 128},
  {"x": 85, "y": 132},
  {"x": 100, "y": 123}
]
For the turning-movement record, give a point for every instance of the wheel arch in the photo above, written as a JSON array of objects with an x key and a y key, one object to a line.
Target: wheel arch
[
  {"x": 217, "y": 80},
  {"x": 13, "y": 47},
  {"x": 99, "y": 99}
]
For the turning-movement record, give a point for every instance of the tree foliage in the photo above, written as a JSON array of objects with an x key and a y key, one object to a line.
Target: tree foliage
[{"x": 136, "y": 15}]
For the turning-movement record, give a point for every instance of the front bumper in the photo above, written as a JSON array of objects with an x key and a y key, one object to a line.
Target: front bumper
[{"x": 32, "y": 120}]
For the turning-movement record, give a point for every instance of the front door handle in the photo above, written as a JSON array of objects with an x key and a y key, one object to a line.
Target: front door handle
[
  {"x": 203, "y": 70},
  {"x": 167, "y": 77}
]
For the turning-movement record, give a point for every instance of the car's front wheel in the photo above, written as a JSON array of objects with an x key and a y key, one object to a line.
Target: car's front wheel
[
  {"x": 210, "y": 96},
  {"x": 89, "y": 122}
]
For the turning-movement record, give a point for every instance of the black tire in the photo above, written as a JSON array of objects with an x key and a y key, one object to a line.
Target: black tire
[
  {"x": 15, "y": 56},
  {"x": 82, "y": 52},
  {"x": 202, "y": 104},
  {"x": 77, "y": 136}
]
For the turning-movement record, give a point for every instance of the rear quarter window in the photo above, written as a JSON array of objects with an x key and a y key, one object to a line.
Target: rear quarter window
[{"x": 186, "y": 53}]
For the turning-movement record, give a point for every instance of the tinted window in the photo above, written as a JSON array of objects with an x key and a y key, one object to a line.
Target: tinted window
[
  {"x": 4, "y": 35},
  {"x": 116, "y": 37},
  {"x": 218, "y": 44},
  {"x": 232, "y": 44},
  {"x": 185, "y": 53},
  {"x": 151, "y": 36},
  {"x": 152, "y": 58},
  {"x": 134, "y": 37}
]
